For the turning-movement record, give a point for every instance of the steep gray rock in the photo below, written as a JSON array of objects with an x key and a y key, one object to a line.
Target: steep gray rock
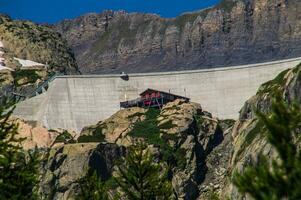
[
  {"x": 230, "y": 33},
  {"x": 195, "y": 145},
  {"x": 248, "y": 135}
]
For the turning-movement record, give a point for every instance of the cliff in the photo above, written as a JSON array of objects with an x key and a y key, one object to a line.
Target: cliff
[
  {"x": 249, "y": 133},
  {"x": 232, "y": 32}
]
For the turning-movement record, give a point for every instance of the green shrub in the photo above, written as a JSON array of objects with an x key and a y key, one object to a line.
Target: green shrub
[
  {"x": 226, "y": 5},
  {"x": 30, "y": 74},
  {"x": 19, "y": 175},
  {"x": 273, "y": 85},
  {"x": 139, "y": 177},
  {"x": 97, "y": 136},
  {"x": 149, "y": 130},
  {"x": 92, "y": 187},
  {"x": 185, "y": 18},
  {"x": 276, "y": 178},
  {"x": 258, "y": 130},
  {"x": 65, "y": 137},
  {"x": 167, "y": 125}
]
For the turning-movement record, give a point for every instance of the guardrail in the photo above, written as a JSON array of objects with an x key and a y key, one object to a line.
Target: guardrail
[
  {"x": 42, "y": 88},
  {"x": 39, "y": 90}
]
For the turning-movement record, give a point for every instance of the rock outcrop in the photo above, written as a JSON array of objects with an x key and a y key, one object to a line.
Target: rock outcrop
[
  {"x": 232, "y": 32},
  {"x": 184, "y": 136},
  {"x": 114, "y": 129},
  {"x": 65, "y": 165},
  {"x": 34, "y": 135},
  {"x": 249, "y": 133}
]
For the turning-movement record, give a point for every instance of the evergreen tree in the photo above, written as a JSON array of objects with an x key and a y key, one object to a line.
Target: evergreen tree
[
  {"x": 142, "y": 179},
  {"x": 279, "y": 178},
  {"x": 92, "y": 188},
  {"x": 18, "y": 169}
]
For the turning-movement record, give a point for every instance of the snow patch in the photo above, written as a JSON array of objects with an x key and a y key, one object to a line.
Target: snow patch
[
  {"x": 2, "y": 60},
  {"x": 29, "y": 63},
  {"x": 5, "y": 68}
]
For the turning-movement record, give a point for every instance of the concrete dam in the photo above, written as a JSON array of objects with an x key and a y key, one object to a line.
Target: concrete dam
[{"x": 73, "y": 102}]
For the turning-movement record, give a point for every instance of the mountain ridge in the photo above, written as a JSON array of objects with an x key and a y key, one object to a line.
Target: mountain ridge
[{"x": 230, "y": 33}]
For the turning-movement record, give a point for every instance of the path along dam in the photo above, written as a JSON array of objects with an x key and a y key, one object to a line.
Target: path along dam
[{"x": 73, "y": 102}]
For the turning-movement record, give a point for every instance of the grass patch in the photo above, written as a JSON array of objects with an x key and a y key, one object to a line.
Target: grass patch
[
  {"x": 150, "y": 131},
  {"x": 97, "y": 136},
  {"x": 148, "y": 128},
  {"x": 167, "y": 125},
  {"x": 273, "y": 85},
  {"x": 185, "y": 18},
  {"x": 180, "y": 156},
  {"x": 30, "y": 75},
  {"x": 101, "y": 44},
  {"x": 250, "y": 137},
  {"x": 111, "y": 183},
  {"x": 113, "y": 35},
  {"x": 199, "y": 120},
  {"x": 65, "y": 137},
  {"x": 226, "y": 5}
]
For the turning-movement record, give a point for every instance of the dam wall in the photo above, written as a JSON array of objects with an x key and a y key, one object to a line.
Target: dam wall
[{"x": 73, "y": 102}]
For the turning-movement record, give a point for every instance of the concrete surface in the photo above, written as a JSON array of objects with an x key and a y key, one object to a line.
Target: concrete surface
[{"x": 73, "y": 102}]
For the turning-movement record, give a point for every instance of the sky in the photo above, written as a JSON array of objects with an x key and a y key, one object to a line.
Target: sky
[{"x": 52, "y": 11}]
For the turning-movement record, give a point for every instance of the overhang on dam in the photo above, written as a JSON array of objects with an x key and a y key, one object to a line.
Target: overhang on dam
[{"x": 73, "y": 102}]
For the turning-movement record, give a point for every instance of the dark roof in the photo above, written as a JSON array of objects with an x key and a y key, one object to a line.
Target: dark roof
[{"x": 152, "y": 90}]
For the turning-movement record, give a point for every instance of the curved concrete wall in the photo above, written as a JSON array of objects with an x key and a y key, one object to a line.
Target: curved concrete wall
[{"x": 73, "y": 102}]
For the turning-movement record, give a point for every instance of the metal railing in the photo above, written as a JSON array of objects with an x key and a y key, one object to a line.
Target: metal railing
[
  {"x": 42, "y": 88},
  {"x": 39, "y": 90}
]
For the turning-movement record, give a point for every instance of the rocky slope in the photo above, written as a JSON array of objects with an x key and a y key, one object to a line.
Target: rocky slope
[
  {"x": 230, "y": 33},
  {"x": 26, "y": 40},
  {"x": 195, "y": 144},
  {"x": 29, "y": 41},
  {"x": 248, "y": 133}
]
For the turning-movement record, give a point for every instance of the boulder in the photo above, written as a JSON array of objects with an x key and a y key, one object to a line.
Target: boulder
[{"x": 67, "y": 164}]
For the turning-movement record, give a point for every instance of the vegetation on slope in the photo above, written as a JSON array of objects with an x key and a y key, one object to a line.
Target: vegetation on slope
[
  {"x": 140, "y": 177},
  {"x": 226, "y": 5},
  {"x": 277, "y": 178},
  {"x": 95, "y": 136},
  {"x": 39, "y": 43},
  {"x": 18, "y": 169},
  {"x": 150, "y": 131}
]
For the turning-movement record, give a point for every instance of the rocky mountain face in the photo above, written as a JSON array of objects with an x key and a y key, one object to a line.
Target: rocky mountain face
[
  {"x": 29, "y": 41},
  {"x": 248, "y": 132},
  {"x": 230, "y": 33}
]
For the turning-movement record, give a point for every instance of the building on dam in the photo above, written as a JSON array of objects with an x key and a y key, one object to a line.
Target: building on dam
[{"x": 75, "y": 101}]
